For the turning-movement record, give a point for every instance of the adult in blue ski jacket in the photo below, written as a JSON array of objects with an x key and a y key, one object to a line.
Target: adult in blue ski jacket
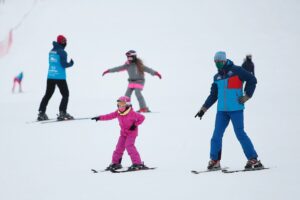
[
  {"x": 227, "y": 88},
  {"x": 57, "y": 77}
]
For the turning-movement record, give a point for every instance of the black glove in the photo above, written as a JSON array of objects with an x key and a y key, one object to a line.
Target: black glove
[
  {"x": 132, "y": 127},
  {"x": 95, "y": 118},
  {"x": 200, "y": 114},
  {"x": 71, "y": 62}
]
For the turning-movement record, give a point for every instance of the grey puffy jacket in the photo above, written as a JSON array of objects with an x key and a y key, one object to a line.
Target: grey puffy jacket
[{"x": 134, "y": 75}]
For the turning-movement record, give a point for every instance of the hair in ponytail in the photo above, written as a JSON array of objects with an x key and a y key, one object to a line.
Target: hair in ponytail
[{"x": 140, "y": 66}]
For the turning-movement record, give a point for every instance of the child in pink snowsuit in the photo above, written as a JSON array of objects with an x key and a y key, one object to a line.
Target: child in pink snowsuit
[{"x": 129, "y": 120}]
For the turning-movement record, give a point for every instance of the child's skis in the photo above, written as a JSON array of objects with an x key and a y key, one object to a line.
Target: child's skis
[{"x": 209, "y": 170}]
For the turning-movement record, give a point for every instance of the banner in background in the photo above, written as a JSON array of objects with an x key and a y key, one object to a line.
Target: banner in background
[{"x": 6, "y": 44}]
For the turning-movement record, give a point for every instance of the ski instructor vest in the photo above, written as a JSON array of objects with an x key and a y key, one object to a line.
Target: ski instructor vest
[{"x": 57, "y": 63}]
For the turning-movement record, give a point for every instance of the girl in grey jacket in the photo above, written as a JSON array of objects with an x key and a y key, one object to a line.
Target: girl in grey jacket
[{"x": 136, "y": 71}]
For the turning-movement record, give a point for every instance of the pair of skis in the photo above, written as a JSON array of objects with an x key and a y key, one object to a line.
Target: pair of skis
[
  {"x": 226, "y": 170},
  {"x": 123, "y": 170}
]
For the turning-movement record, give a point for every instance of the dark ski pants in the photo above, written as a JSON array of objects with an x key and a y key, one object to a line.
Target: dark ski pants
[
  {"x": 63, "y": 88},
  {"x": 222, "y": 121}
]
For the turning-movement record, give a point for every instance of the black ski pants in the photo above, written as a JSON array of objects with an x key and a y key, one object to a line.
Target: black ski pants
[{"x": 63, "y": 88}]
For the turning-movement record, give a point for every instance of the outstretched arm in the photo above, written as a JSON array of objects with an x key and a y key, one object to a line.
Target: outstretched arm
[
  {"x": 109, "y": 116},
  {"x": 116, "y": 69},
  {"x": 152, "y": 72}
]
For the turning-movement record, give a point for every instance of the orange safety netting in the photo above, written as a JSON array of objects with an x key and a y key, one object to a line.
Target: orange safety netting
[{"x": 6, "y": 44}]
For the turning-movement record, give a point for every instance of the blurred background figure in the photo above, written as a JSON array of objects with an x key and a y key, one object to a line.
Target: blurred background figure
[
  {"x": 248, "y": 64},
  {"x": 18, "y": 81}
]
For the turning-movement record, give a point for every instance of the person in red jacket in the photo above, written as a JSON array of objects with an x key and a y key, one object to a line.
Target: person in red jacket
[{"x": 129, "y": 120}]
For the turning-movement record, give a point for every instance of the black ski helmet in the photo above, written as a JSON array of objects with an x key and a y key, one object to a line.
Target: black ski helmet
[{"x": 132, "y": 54}]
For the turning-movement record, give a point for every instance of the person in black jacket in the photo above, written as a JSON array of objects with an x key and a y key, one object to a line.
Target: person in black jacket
[{"x": 248, "y": 64}]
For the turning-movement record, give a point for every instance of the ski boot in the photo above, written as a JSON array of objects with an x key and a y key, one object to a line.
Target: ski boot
[
  {"x": 214, "y": 165},
  {"x": 144, "y": 110},
  {"x": 253, "y": 164},
  {"x": 42, "y": 116},
  {"x": 64, "y": 116},
  {"x": 134, "y": 167},
  {"x": 113, "y": 167}
]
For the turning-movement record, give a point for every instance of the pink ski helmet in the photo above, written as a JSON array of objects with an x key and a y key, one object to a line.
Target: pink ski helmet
[{"x": 124, "y": 99}]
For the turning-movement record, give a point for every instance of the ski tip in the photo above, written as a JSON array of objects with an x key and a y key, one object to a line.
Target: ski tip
[
  {"x": 94, "y": 171},
  {"x": 226, "y": 171}
]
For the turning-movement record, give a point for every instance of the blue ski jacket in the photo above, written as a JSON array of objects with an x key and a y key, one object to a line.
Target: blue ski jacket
[
  {"x": 20, "y": 76},
  {"x": 58, "y": 62},
  {"x": 227, "y": 88}
]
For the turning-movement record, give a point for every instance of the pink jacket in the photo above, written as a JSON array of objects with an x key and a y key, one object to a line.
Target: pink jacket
[{"x": 125, "y": 121}]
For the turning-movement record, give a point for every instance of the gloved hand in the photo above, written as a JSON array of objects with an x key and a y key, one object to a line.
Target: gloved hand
[
  {"x": 132, "y": 127},
  {"x": 105, "y": 72},
  {"x": 95, "y": 118},
  {"x": 243, "y": 99},
  {"x": 157, "y": 74},
  {"x": 201, "y": 112},
  {"x": 71, "y": 62}
]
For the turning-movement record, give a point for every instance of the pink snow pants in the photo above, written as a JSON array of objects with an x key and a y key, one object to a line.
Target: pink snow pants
[{"x": 126, "y": 142}]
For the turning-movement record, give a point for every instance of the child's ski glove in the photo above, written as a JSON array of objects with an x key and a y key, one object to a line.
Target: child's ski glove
[
  {"x": 105, "y": 72},
  {"x": 95, "y": 118},
  {"x": 132, "y": 127},
  {"x": 157, "y": 74}
]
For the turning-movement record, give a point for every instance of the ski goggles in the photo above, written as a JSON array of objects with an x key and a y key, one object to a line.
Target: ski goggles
[{"x": 131, "y": 54}]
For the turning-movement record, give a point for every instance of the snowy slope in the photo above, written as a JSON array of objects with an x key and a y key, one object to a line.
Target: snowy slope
[{"x": 177, "y": 38}]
